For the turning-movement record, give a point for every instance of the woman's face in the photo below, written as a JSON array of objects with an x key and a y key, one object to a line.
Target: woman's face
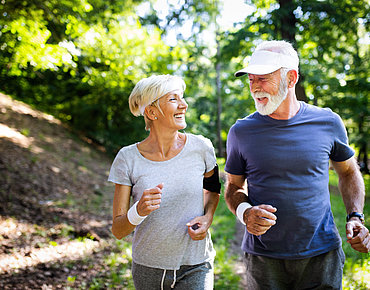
[{"x": 173, "y": 106}]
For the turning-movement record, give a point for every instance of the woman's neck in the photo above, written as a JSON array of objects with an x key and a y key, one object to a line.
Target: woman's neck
[{"x": 162, "y": 146}]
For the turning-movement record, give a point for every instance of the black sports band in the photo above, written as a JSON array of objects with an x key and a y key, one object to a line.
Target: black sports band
[{"x": 212, "y": 183}]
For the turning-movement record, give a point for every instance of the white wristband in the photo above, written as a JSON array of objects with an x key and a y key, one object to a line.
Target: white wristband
[
  {"x": 133, "y": 217},
  {"x": 240, "y": 211}
]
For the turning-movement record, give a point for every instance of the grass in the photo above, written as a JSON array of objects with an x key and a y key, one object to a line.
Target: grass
[{"x": 117, "y": 273}]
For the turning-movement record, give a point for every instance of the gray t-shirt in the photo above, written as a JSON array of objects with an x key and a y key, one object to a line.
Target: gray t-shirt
[{"x": 161, "y": 240}]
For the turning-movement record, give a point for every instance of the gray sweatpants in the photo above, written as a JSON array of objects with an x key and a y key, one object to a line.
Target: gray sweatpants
[
  {"x": 320, "y": 272},
  {"x": 194, "y": 277}
]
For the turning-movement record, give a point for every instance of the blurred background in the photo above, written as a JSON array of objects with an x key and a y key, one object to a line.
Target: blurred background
[{"x": 67, "y": 68}]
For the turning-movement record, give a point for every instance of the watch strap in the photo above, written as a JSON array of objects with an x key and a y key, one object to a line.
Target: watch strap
[{"x": 356, "y": 214}]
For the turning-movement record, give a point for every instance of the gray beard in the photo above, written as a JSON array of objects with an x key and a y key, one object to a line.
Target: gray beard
[{"x": 274, "y": 101}]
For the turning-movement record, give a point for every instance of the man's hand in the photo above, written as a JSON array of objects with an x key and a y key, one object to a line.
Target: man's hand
[
  {"x": 358, "y": 236},
  {"x": 259, "y": 219}
]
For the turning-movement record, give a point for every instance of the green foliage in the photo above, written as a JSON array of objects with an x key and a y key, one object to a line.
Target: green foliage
[
  {"x": 80, "y": 59},
  {"x": 81, "y": 65}
]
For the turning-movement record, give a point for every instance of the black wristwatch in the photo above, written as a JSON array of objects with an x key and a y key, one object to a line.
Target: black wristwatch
[{"x": 356, "y": 214}]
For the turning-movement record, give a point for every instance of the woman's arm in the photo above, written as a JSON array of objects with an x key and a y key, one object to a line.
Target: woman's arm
[
  {"x": 198, "y": 227},
  {"x": 211, "y": 200},
  {"x": 149, "y": 202},
  {"x": 121, "y": 202}
]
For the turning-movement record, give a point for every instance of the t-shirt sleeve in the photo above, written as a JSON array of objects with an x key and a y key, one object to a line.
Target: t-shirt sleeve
[
  {"x": 235, "y": 163},
  {"x": 340, "y": 151},
  {"x": 119, "y": 170},
  {"x": 209, "y": 155}
]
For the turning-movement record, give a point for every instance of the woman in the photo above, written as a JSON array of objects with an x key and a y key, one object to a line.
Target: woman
[{"x": 165, "y": 175}]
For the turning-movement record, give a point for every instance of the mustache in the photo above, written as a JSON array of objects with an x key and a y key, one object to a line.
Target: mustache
[{"x": 261, "y": 95}]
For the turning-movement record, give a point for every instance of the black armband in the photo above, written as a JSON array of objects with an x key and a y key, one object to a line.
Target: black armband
[{"x": 212, "y": 183}]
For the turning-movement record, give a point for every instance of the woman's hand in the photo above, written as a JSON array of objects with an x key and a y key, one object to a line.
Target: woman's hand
[
  {"x": 150, "y": 200},
  {"x": 198, "y": 227}
]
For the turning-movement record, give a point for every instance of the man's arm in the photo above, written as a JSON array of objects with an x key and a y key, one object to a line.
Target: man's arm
[
  {"x": 352, "y": 188},
  {"x": 258, "y": 219},
  {"x": 235, "y": 193}
]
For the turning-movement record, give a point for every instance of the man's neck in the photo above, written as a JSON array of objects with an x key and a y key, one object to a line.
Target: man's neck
[{"x": 287, "y": 109}]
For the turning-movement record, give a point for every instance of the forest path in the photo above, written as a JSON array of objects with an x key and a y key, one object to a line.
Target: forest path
[{"x": 55, "y": 202}]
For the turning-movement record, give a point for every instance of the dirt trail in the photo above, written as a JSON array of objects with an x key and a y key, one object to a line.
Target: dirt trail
[
  {"x": 54, "y": 202},
  {"x": 240, "y": 267}
]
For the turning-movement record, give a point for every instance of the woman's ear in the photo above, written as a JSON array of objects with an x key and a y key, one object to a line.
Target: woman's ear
[{"x": 151, "y": 113}]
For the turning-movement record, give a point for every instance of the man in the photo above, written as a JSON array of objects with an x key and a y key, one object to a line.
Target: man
[{"x": 277, "y": 165}]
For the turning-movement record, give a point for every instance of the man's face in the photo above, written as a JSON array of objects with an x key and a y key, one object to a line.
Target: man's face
[{"x": 268, "y": 91}]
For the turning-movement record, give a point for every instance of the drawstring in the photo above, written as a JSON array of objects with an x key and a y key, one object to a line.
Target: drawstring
[
  {"x": 164, "y": 275},
  {"x": 174, "y": 279}
]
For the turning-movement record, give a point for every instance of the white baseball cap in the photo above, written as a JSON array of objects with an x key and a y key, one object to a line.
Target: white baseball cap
[{"x": 264, "y": 62}]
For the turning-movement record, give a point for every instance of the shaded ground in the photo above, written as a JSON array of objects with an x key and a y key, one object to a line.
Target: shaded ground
[
  {"x": 54, "y": 202},
  {"x": 240, "y": 268}
]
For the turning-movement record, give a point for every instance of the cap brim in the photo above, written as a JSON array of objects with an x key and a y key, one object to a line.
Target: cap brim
[{"x": 257, "y": 70}]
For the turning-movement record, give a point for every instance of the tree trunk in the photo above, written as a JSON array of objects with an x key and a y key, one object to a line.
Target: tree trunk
[
  {"x": 362, "y": 153},
  {"x": 287, "y": 29},
  {"x": 219, "y": 101}
]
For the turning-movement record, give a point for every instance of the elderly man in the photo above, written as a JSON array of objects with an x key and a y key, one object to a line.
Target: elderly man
[{"x": 277, "y": 165}]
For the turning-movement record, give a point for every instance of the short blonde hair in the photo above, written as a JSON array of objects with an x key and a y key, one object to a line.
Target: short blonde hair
[{"x": 148, "y": 90}]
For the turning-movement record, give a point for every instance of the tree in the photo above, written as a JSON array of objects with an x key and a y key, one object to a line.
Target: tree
[{"x": 81, "y": 58}]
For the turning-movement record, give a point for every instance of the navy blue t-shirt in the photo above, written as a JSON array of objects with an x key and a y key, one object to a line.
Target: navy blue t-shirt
[{"x": 286, "y": 165}]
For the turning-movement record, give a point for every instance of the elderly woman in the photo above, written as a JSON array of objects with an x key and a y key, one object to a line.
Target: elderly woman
[{"x": 173, "y": 180}]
